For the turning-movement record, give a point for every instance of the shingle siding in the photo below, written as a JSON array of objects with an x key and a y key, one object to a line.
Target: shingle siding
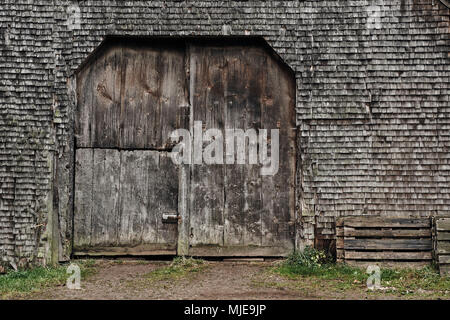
[{"x": 373, "y": 108}]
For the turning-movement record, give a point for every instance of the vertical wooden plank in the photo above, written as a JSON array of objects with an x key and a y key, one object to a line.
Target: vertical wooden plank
[
  {"x": 174, "y": 90},
  {"x": 183, "y": 234},
  {"x": 207, "y": 202},
  {"x": 230, "y": 93},
  {"x": 243, "y": 111},
  {"x": 105, "y": 203},
  {"x": 207, "y": 192},
  {"x": 166, "y": 188},
  {"x": 278, "y": 112},
  {"x": 99, "y": 89},
  {"x": 153, "y": 215},
  {"x": 139, "y": 92},
  {"x": 184, "y": 177},
  {"x": 83, "y": 112},
  {"x": 129, "y": 96},
  {"x": 134, "y": 199},
  {"x": 83, "y": 197},
  {"x": 140, "y": 105},
  {"x": 340, "y": 252},
  {"x": 153, "y": 91}
]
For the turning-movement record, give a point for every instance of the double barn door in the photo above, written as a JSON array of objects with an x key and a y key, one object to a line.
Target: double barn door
[{"x": 132, "y": 199}]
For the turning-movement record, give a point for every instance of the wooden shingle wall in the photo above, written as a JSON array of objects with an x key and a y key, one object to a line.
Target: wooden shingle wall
[{"x": 372, "y": 102}]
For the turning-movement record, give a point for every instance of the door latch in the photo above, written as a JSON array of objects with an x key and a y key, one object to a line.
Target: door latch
[{"x": 170, "y": 218}]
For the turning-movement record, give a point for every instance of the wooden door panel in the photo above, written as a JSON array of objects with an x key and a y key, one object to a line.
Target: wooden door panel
[
  {"x": 207, "y": 187},
  {"x": 120, "y": 200},
  {"x": 131, "y": 97},
  {"x": 165, "y": 188},
  {"x": 98, "y": 101},
  {"x": 136, "y": 209},
  {"x": 243, "y": 87},
  {"x": 105, "y": 197},
  {"x": 278, "y": 111},
  {"x": 82, "y": 215}
]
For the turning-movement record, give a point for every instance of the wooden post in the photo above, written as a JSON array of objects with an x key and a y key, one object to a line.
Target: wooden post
[
  {"x": 443, "y": 245},
  {"x": 183, "y": 211},
  {"x": 340, "y": 257}
]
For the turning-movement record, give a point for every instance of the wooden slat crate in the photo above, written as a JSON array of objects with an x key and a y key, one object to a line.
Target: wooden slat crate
[
  {"x": 442, "y": 243},
  {"x": 397, "y": 242}
]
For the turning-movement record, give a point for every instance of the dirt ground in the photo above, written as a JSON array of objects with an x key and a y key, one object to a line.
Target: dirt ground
[{"x": 218, "y": 280}]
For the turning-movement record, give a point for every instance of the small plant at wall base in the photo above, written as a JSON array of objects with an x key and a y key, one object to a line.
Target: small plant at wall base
[
  {"x": 24, "y": 281},
  {"x": 316, "y": 265},
  {"x": 309, "y": 257}
]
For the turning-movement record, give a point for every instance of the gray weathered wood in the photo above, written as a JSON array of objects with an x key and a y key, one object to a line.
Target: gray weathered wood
[
  {"x": 242, "y": 87},
  {"x": 441, "y": 236},
  {"x": 443, "y": 247},
  {"x": 165, "y": 189},
  {"x": 395, "y": 233},
  {"x": 130, "y": 191},
  {"x": 152, "y": 93},
  {"x": 389, "y": 244},
  {"x": 130, "y": 96},
  {"x": 105, "y": 203},
  {"x": 83, "y": 197},
  {"x": 136, "y": 219},
  {"x": 207, "y": 180},
  {"x": 387, "y": 222},
  {"x": 340, "y": 242},
  {"x": 443, "y": 224},
  {"x": 138, "y": 250},
  {"x": 278, "y": 112},
  {"x": 369, "y": 255},
  {"x": 99, "y": 99},
  {"x": 239, "y": 251},
  {"x": 445, "y": 270},
  {"x": 389, "y": 263},
  {"x": 444, "y": 259}
]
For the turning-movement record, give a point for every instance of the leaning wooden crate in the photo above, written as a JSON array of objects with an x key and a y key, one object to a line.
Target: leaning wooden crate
[
  {"x": 442, "y": 243},
  {"x": 394, "y": 242}
]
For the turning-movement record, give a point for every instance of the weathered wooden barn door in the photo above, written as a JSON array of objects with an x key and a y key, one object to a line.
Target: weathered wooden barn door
[
  {"x": 129, "y": 100},
  {"x": 235, "y": 210}
]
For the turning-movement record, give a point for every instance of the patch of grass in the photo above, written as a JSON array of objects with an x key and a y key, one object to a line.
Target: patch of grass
[
  {"x": 88, "y": 267},
  {"x": 340, "y": 276},
  {"x": 179, "y": 268},
  {"x": 309, "y": 257},
  {"x": 36, "y": 279},
  {"x": 424, "y": 282}
]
